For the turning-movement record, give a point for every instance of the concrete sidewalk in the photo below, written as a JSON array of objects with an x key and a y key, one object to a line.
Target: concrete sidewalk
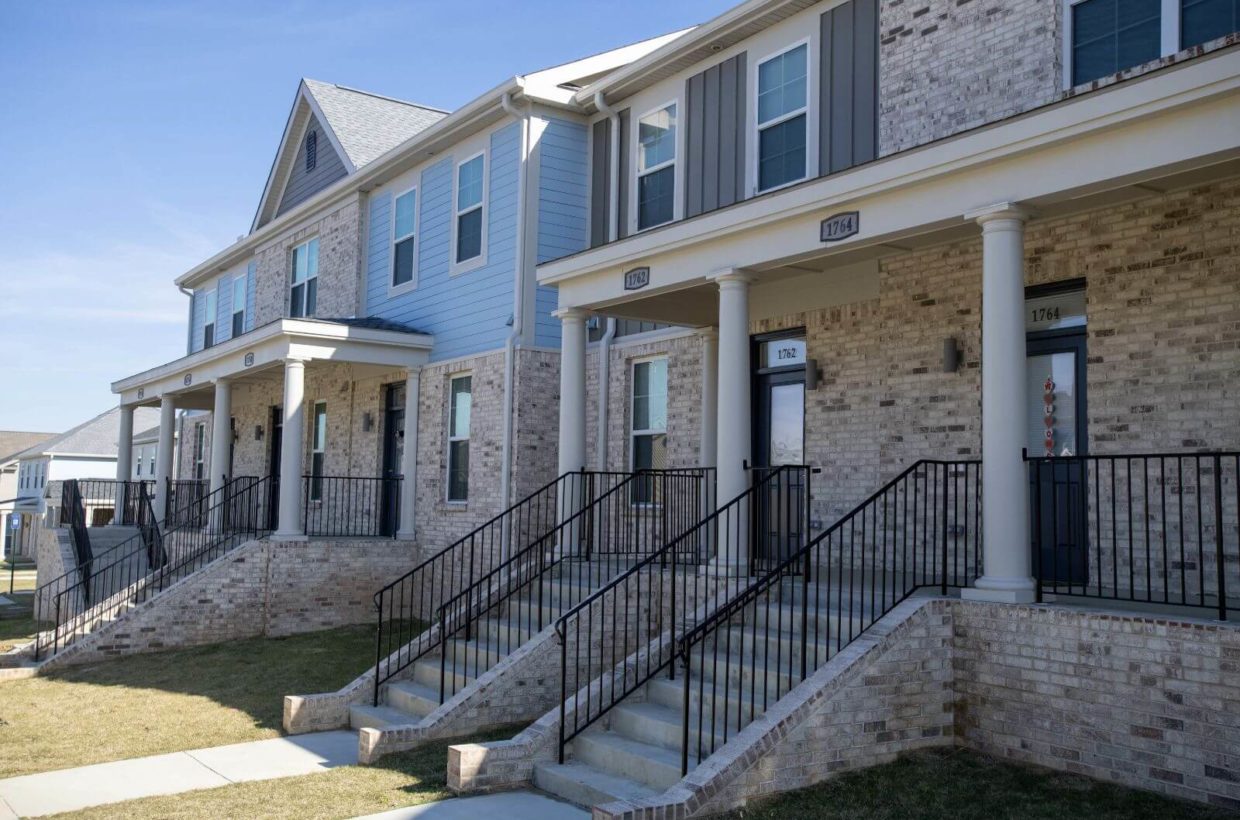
[
  {"x": 71, "y": 789},
  {"x": 508, "y": 805}
]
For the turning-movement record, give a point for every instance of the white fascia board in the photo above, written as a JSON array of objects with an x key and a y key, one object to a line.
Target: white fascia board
[
  {"x": 1128, "y": 103},
  {"x": 451, "y": 128}
]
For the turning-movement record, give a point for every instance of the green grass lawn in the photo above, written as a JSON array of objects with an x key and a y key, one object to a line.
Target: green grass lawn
[
  {"x": 964, "y": 785},
  {"x": 17, "y": 625},
  {"x": 171, "y": 701},
  {"x": 398, "y": 780}
]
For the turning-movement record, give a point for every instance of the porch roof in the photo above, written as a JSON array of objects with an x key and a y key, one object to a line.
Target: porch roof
[{"x": 365, "y": 341}]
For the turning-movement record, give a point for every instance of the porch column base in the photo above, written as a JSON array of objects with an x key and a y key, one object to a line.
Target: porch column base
[{"x": 1001, "y": 590}]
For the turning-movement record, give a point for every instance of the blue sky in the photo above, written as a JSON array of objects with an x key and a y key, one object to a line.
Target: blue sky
[{"x": 137, "y": 136}]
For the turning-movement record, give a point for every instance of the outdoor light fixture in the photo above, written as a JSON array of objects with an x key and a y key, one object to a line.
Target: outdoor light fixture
[
  {"x": 258, "y": 432},
  {"x": 951, "y": 355},
  {"x": 812, "y": 374},
  {"x": 368, "y": 422}
]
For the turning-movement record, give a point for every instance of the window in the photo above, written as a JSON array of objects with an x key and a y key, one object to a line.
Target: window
[
  {"x": 200, "y": 452},
  {"x": 1204, "y": 20},
  {"x": 208, "y": 326},
  {"x": 305, "y": 279},
  {"x": 461, "y": 400},
  {"x": 238, "y": 305},
  {"x": 318, "y": 447},
  {"x": 312, "y": 150},
  {"x": 403, "y": 238},
  {"x": 470, "y": 192},
  {"x": 783, "y": 118},
  {"x": 656, "y": 167},
  {"x": 649, "y": 424}
]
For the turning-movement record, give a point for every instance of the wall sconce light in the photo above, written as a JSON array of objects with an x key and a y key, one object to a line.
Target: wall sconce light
[
  {"x": 812, "y": 374},
  {"x": 368, "y": 422},
  {"x": 258, "y": 432},
  {"x": 951, "y": 355}
]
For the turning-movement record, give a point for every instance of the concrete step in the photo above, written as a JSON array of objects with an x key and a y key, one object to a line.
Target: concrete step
[
  {"x": 427, "y": 672},
  {"x": 585, "y": 785},
  {"x": 705, "y": 698},
  {"x": 102, "y": 538},
  {"x": 660, "y": 725},
  {"x": 613, "y": 753},
  {"x": 378, "y": 717},
  {"x": 526, "y": 613},
  {"x": 474, "y": 656},
  {"x": 504, "y": 632},
  {"x": 775, "y": 648},
  {"x": 413, "y": 698}
]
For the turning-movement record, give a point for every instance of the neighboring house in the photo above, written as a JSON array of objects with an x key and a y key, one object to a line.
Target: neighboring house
[
  {"x": 145, "y": 450},
  {"x": 383, "y": 315},
  {"x": 12, "y": 442},
  {"x": 88, "y": 451}
]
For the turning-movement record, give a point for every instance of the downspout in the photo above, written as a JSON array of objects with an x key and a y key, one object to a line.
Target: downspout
[
  {"x": 613, "y": 171},
  {"x": 604, "y": 407},
  {"x": 518, "y": 316}
]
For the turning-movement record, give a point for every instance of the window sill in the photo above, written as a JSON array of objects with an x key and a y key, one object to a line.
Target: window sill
[
  {"x": 403, "y": 288},
  {"x": 457, "y": 268}
]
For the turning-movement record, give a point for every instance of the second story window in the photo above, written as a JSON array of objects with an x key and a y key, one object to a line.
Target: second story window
[
  {"x": 404, "y": 238},
  {"x": 783, "y": 118},
  {"x": 656, "y": 167},
  {"x": 238, "y": 305},
  {"x": 303, "y": 297},
  {"x": 1204, "y": 20},
  {"x": 470, "y": 192},
  {"x": 208, "y": 322},
  {"x": 200, "y": 451},
  {"x": 312, "y": 150}
]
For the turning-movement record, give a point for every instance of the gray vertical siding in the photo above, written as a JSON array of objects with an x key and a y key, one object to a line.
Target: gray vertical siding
[
  {"x": 848, "y": 73},
  {"x": 623, "y": 208},
  {"x": 328, "y": 168},
  {"x": 715, "y": 137},
  {"x": 600, "y": 182}
]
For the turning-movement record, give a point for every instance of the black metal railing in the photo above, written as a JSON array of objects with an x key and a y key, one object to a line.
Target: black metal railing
[
  {"x": 73, "y": 517},
  {"x": 622, "y": 519},
  {"x": 141, "y": 567},
  {"x": 665, "y": 593},
  {"x": 413, "y": 601},
  {"x": 351, "y": 507},
  {"x": 108, "y": 501},
  {"x": 1148, "y": 528},
  {"x": 923, "y": 528},
  {"x": 185, "y": 502}
]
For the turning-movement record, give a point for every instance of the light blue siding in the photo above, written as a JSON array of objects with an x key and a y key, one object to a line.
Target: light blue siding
[
  {"x": 467, "y": 313},
  {"x": 251, "y": 280},
  {"x": 563, "y": 211},
  {"x": 223, "y": 310},
  {"x": 198, "y": 321}
]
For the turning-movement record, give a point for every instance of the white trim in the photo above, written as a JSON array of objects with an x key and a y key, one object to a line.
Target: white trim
[
  {"x": 450, "y": 439},
  {"x": 478, "y": 261},
  {"x": 809, "y": 110},
  {"x": 394, "y": 289},
  {"x": 211, "y": 297},
  {"x": 674, "y": 163},
  {"x": 1170, "y": 13}
]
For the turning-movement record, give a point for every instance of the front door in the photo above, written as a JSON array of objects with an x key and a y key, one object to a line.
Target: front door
[
  {"x": 393, "y": 456},
  {"x": 779, "y": 440},
  {"x": 1056, "y": 432},
  {"x": 273, "y": 460}
]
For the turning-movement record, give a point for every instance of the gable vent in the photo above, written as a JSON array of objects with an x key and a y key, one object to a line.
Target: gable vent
[{"x": 312, "y": 150}]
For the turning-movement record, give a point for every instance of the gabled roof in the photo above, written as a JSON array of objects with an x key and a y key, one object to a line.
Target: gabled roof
[
  {"x": 359, "y": 125},
  {"x": 13, "y": 442},
  {"x": 97, "y": 437}
]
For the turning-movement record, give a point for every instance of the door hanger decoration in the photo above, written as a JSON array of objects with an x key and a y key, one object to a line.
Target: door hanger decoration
[{"x": 1048, "y": 400}]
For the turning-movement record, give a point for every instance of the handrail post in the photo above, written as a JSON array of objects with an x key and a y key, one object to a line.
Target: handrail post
[
  {"x": 563, "y": 690},
  {"x": 378, "y": 645},
  {"x": 1220, "y": 567},
  {"x": 946, "y": 482},
  {"x": 1035, "y": 488}
]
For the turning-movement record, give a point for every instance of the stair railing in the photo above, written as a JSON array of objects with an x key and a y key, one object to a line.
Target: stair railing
[
  {"x": 73, "y": 516},
  {"x": 923, "y": 528},
  {"x": 141, "y": 567},
  {"x": 621, "y": 519},
  {"x": 666, "y": 591}
]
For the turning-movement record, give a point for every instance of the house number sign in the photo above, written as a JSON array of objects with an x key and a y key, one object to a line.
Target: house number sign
[
  {"x": 840, "y": 226},
  {"x": 249, "y": 359},
  {"x": 637, "y": 278}
]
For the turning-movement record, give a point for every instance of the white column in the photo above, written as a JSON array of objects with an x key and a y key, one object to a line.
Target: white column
[
  {"x": 163, "y": 458},
  {"x": 292, "y": 443},
  {"x": 709, "y": 442},
  {"x": 221, "y": 441},
  {"x": 734, "y": 432},
  {"x": 409, "y": 458},
  {"x": 572, "y": 389},
  {"x": 124, "y": 465},
  {"x": 1005, "y": 493}
]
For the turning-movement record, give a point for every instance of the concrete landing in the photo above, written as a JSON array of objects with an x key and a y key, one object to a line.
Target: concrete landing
[
  {"x": 35, "y": 795},
  {"x": 522, "y": 805}
]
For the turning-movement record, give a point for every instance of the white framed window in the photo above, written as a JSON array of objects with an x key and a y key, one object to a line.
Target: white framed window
[
  {"x": 208, "y": 322},
  {"x": 648, "y": 424},
  {"x": 469, "y": 230},
  {"x": 782, "y": 95},
  {"x": 460, "y": 405},
  {"x": 404, "y": 240},
  {"x": 239, "y": 286},
  {"x": 657, "y": 144},
  {"x": 303, "y": 296},
  {"x": 318, "y": 450},
  {"x": 1105, "y": 37}
]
